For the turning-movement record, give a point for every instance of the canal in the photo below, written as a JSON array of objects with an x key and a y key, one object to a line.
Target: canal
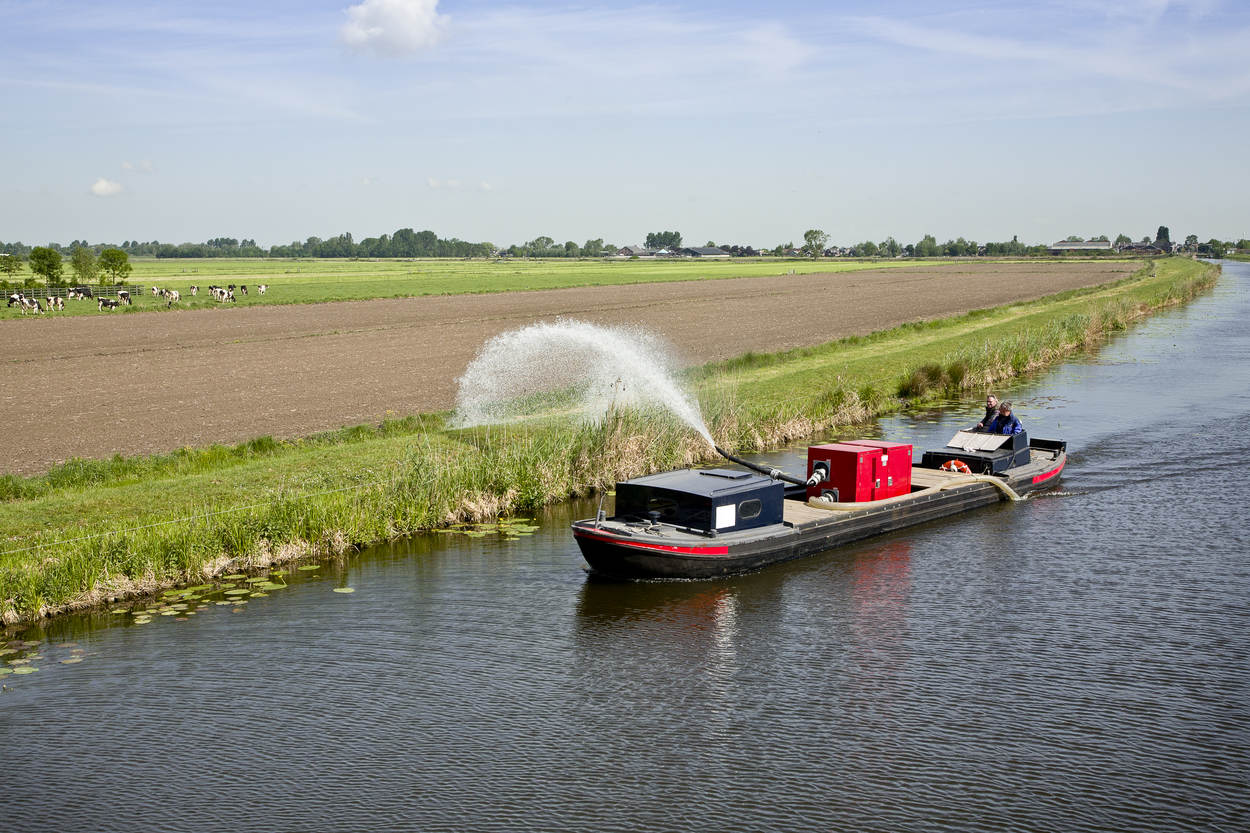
[{"x": 1078, "y": 662}]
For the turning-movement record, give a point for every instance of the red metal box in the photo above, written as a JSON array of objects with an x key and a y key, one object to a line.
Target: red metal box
[
  {"x": 852, "y": 469},
  {"x": 895, "y": 466}
]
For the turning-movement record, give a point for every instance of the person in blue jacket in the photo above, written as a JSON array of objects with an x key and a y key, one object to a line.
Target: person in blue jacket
[{"x": 1005, "y": 422}]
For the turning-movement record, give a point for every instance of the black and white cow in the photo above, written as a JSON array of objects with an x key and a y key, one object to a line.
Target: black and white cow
[
  {"x": 262, "y": 289},
  {"x": 15, "y": 298},
  {"x": 106, "y": 304},
  {"x": 123, "y": 296},
  {"x": 195, "y": 290}
]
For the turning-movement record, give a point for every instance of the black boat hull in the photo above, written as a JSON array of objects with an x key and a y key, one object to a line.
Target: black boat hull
[{"x": 612, "y": 551}]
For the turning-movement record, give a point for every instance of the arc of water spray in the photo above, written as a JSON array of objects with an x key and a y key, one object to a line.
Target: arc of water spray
[{"x": 514, "y": 369}]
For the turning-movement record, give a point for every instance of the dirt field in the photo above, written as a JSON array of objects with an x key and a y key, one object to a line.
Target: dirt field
[{"x": 95, "y": 386}]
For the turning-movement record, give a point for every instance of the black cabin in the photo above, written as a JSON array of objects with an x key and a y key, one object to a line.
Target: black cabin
[{"x": 702, "y": 500}]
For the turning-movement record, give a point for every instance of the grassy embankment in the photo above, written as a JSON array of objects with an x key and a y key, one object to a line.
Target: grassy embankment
[
  {"x": 315, "y": 281},
  {"x": 88, "y": 531}
]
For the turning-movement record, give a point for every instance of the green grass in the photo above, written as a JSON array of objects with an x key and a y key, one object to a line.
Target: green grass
[
  {"x": 319, "y": 280},
  {"x": 87, "y": 531}
]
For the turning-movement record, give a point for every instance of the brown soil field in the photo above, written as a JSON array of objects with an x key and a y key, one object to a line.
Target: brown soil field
[{"x": 95, "y": 386}]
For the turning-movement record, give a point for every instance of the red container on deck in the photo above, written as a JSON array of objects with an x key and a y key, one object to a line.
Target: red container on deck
[
  {"x": 895, "y": 466},
  {"x": 852, "y": 469}
]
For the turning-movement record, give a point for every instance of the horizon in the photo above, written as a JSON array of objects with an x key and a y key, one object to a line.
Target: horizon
[{"x": 501, "y": 122}]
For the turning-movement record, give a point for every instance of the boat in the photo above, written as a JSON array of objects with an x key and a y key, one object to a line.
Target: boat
[{"x": 708, "y": 523}]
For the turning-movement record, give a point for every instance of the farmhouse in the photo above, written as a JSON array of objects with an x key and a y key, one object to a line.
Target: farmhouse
[
  {"x": 706, "y": 251},
  {"x": 1079, "y": 246}
]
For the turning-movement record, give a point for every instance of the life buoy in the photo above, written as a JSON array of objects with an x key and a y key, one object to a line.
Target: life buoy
[{"x": 957, "y": 466}]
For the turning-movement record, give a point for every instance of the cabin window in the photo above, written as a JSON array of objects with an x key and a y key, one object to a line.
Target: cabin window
[{"x": 750, "y": 509}]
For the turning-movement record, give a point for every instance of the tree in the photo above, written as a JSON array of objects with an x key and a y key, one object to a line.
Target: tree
[
  {"x": 593, "y": 248},
  {"x": 10, "y": 264},
  {"x": 927, "y": 247},
  {"x": 46, "y": 261},
  {"x": 1074, "y": 238},
  {"x": 1122, "y": 239},
  {"x": 664, "y": 240},
  {"x": 82, "y": 262},
  {"x": 1162, "y": 238},
  {"x": 115, "y": 263},
  {"x": 540, "y": 244},
  {"x": 571, "y": 249},
  {"x": 890, "y": 247},
  {"x": 814, "y": 242},
  {"x": 866, "y": 249},
  {"x": 1191, "y": 241}
]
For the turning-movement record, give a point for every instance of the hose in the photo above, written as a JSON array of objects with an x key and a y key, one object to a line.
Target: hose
[{"x": 775, "y": 474}]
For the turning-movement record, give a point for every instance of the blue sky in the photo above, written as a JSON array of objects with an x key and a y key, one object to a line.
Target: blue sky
[{"x": 737, "y": 122}]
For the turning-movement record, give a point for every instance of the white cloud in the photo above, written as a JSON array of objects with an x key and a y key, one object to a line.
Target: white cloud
[
  {"x": 142, "y": 167},
  {"x": 106, "y": 187},
  {"x": 485, "y": 186},
  {"x": 431, "y": 182},
  {"x": 393, "y": 27}
]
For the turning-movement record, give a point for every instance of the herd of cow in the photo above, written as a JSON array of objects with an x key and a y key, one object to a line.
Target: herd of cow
[{"x": 223, "y": 294}]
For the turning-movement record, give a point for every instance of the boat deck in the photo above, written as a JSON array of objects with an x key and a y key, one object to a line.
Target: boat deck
[{"x": 798, "y": 513}]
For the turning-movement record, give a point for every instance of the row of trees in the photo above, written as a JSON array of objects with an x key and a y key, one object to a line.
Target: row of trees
[
  {"x": 409, "y": 243},
  {"x": 112, "y": 265}
]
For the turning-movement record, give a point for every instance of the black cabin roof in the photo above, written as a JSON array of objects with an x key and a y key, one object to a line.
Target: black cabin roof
[{"x": 709, "y": 483}]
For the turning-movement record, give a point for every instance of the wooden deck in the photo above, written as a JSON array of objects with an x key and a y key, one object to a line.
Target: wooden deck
[{"x": 798, "y": 513}]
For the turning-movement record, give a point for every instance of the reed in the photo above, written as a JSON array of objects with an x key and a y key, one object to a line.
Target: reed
[{"x": 91, "y": 531}]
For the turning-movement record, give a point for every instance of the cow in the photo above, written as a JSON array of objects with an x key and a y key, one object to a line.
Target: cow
[
  {"x": 106, "y": 304},
  {"x": 80, "y": 293},
  {"x": 31, "y": 305},
  {"x": 156, "y": 290},
  {"x": 123, "y": 296},
  {"x": 195, "y": 290},
  {"x": 243, "y": 287},
  {"x": 262, "y": 289},
  {"x": 15, "y": 298},
  {"x": 172, "y": 297},
  {"x": 55, "y": 302}
]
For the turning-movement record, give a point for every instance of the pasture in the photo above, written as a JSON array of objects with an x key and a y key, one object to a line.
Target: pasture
[{"x": 309, "y": 281}]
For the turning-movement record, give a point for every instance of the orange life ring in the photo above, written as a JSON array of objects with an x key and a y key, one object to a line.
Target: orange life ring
[{"x": 957, "y": 466}]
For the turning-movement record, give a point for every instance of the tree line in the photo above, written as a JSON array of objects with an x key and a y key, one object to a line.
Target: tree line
[{"x": 406, "y": 242}]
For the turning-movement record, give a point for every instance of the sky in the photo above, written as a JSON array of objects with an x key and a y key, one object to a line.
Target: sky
[{"x": 735, "y": 122}]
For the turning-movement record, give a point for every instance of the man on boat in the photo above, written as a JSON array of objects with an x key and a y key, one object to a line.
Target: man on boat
[
  {"x": 1006, "y": 422},
  {"x": 991, "y": 411}
]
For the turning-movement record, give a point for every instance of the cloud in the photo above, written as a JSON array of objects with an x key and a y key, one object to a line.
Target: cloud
[
  {"x": 393, "y": 27},
  {"x": 106, "y": 187},
  {"x": 142, "y": 167}
]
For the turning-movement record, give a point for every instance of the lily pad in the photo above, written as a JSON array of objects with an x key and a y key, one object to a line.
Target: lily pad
[
  {"x": 235, "y": 576},
  {"x": 25, "y": 669},
  {"x": 310, "y": 567},
  {"x": 238, "y": 591},
  {"x": 219, "y": 604},
  {"x": 22, "y": 661},
  {"x": 143, "y": 620},
  {"x": 258, "y": 580},
  {"x": 71, "y": 660},
  {"x": 169, "y": 613},
  {"x": 344, "y": 589},
  {"x": 6, "y": 651},
  {"x": 260, "y": 595},
  {"x": 269, "y": 585},
  {"x": 4, "y": 671}
]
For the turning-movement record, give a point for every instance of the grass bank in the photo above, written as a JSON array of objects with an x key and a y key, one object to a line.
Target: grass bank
[{"x": 87, "y": 532}]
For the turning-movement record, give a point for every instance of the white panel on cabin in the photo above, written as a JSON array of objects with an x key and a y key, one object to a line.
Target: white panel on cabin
[{"x": 726, "y": 516}]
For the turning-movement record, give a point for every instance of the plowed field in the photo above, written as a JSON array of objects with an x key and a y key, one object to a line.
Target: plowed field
[{"x": 99, "y": 385}]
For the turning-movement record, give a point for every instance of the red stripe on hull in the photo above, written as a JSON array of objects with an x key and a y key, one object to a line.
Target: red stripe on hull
[
  {"x": 661, "y": 547},
  {"x": 1050, "y": 473}
]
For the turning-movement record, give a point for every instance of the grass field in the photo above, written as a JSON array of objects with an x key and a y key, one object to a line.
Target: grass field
[
  {"x": 88, "y": 531},
  {"x": 313, "y": 281}
]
